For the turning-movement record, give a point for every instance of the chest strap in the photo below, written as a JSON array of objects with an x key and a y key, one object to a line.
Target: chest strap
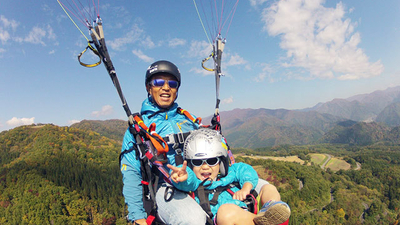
[{"x": 176, "y": 139}]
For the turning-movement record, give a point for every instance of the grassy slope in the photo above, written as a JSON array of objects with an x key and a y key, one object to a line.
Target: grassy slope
[{"x": 334, "y": 164}]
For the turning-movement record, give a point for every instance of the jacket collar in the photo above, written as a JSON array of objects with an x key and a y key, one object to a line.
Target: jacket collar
[{"x": 149, "y": 107}]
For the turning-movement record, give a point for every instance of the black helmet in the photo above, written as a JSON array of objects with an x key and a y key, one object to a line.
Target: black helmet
[{"x": 163, "y": 66}]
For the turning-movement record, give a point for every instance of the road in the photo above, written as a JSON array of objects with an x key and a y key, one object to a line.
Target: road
[
  {"x": 326, "y": 161},
  {"x": 300, "y": 184},
  {"x": 358, "y": 166},
  {"x": 366, "y": 207}
]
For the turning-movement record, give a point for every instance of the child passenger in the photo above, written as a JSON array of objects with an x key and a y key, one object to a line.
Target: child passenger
[{"x": 205, "y": 152}]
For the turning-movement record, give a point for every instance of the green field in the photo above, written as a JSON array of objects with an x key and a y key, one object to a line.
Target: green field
[
  {"x": 336, "y": 164},
  {"x": 318, "y": 159}
]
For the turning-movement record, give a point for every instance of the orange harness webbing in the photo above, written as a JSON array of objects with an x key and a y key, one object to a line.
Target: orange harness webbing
[{"x": 155, "y": 138}]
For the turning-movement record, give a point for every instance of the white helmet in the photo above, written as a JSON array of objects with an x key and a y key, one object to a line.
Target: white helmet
[{"x": 206, "y": 143}]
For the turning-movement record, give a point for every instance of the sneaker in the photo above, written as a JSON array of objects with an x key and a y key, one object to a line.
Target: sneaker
[{"x": 273, "y": 212}]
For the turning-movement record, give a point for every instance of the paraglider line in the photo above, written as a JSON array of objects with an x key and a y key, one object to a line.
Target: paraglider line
[
  {"x": 82, "y": 16},
  {"x": 98, "y": 8},
  {"x": 216, "y": 15},
  {"x": 201, "y": 21},
  {"x": 72, "y": 20},
  {"x": 222, "y": 16},
  {"x": 230, "y": 22}
]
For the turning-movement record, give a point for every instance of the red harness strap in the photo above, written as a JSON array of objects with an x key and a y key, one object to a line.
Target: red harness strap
[
  {"x": 150, "y": 219},
  {"x": 155, "y": 138}
]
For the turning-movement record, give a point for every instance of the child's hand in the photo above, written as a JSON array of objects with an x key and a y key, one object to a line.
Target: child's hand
[
  {"x": 242, "y": 193},
  {"x": 178, "y": 174}
]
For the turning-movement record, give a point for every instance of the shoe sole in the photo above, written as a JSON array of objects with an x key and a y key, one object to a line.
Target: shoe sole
[{"x": 277, "y": 214}]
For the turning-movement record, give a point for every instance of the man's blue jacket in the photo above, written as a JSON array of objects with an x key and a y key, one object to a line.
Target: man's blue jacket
[{"x": 167, "y": 122}]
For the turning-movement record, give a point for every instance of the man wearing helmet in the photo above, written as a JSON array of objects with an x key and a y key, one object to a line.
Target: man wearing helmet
[
  {"x": 162, "y": 83},
  {"x": 205, "y": 153}
]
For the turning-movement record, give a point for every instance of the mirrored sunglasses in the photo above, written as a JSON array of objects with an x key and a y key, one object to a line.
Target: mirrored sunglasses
[
  {"x": 161, "y": 82},
  {"x": 210, "y": 161}
]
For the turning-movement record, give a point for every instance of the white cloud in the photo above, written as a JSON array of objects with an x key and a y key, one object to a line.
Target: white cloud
[
  {"x": 176, "y": 42},
  {"x": 131, "y": 36},
  {"x": 199, "y": 49},
  {"x": 20, "y": 121},
  {"x": 37, "y": 34},
  {"x": 105, "y": 111},
  {"x": 257, "y": 2},
  {"x": 52, "y": 52},
  {"x": 202, "y": 71},
  {"x": 4, "y": 36},
  {"x": 235, "y": 59},
  {"x": 142, "y": 56},
  {"x": 2, "y": 50},
  {"x": 266, "y": 72},
  {"x": 46, "y": 8},
  {"x": 70, "y": 122},
  {"x": 318, "y": 39},
  {"x": 227, "y": 100},
  {"x": 147, "y": 42},
  {"x": 50, "y": 33},
  {"x": 261, "y": 77},
  {"x": 8, "y": 23},
  {"x": 135, "y": 34}
]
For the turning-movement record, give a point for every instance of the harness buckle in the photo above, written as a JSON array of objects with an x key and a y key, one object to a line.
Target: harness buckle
[
  {"x": 175, "y": 139},
  {"x": 181, "y": 138},
  {"x": 171, "y": 139}
]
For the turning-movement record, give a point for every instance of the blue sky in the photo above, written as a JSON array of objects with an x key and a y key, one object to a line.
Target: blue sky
[{"x": 288, "y": 54}]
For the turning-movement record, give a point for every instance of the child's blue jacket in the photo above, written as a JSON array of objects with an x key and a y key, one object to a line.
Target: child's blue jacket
[{"x": 237, "y": 173}]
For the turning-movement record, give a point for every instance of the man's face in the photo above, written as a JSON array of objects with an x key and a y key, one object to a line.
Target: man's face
[{"x": 164, "y": 96}]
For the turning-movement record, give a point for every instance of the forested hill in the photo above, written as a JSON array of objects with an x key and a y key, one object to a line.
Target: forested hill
[
  {"x": 113, "y": 129},
  {"x": 350, "y": 132},
  {"x": 62, "y": 175},
  {"x": 66, "y": 175}
]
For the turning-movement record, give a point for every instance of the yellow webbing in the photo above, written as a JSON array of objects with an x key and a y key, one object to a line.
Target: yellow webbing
[
  {"x": 205, "y": 60},
  {"x": 94, "y": 51}
]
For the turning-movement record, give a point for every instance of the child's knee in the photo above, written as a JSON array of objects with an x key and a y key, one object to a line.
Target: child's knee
[
  {"x": 225, "y": 212},
  {"x": 269, "y": 192},
  {"x": 268, "y": 188}
]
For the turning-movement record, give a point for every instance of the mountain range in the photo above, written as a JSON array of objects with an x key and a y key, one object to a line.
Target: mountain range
[
  {"x": 365, "y": 107},
  {"x": 359, "y": 120}
]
